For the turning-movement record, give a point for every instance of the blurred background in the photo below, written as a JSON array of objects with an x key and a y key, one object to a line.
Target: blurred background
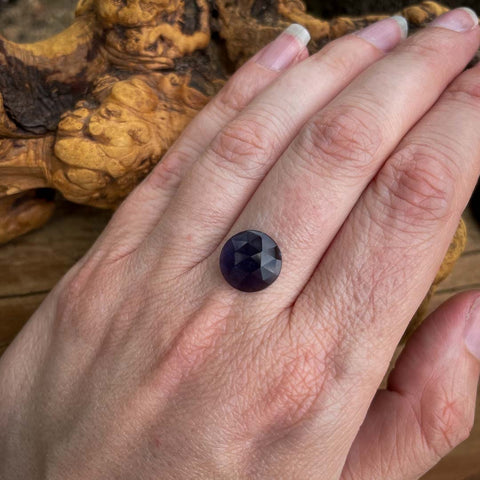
[
  {"x": 32, "y": 264},
  {"x": 334, "y": 8},
  {"x": 30, "y": 20}
]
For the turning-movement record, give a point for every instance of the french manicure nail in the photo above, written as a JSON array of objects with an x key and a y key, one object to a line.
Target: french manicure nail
[
  {"x": 472, "y": 329},
  {"x": 459, "y": 20},
  {"x": 386, "y": 33},
  {"x": 279, "y": 54}
]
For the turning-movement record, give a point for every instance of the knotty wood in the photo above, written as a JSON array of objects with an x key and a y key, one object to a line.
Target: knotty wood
[{"x": 33, "y": 264}]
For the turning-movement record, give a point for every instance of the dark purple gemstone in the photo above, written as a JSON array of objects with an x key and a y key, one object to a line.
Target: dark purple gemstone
[{"x": 250, "y": 261}]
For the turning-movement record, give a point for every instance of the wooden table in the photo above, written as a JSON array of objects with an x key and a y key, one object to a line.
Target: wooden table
[{"x": 31, "y": 265}]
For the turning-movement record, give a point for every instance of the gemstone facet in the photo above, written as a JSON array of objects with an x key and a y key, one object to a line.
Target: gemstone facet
[{"x": 250, "y": 261}]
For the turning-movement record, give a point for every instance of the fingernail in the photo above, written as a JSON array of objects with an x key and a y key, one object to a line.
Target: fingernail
[
  {"x": 459, "y": 20},
  {"x": 472, "y": 329},
  {"x": 386, "y": 33},
  {"x": 279, "y": 54}
]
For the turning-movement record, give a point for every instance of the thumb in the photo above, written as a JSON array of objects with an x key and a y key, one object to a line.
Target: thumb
[{"x": 429, "y": 405}]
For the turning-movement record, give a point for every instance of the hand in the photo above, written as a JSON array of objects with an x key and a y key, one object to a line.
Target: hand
[{"x": 144, "y": 363}]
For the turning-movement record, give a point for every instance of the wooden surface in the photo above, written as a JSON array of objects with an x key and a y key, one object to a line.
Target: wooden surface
[{"x": 34, "y": 263}]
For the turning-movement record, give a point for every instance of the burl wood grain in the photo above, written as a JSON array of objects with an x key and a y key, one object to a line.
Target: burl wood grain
[{"x": 91, "y": 110}]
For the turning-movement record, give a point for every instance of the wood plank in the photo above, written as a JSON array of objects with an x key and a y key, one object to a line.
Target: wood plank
[
  {"x": 16, "y": 310},
  {"x": 465, "y": 273},
  {"x": 35, "y": 262},
  {"x": 473, "y": 240}
]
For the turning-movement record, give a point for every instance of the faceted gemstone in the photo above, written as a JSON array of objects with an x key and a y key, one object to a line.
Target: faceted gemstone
[{"x": 250, "y": 261}]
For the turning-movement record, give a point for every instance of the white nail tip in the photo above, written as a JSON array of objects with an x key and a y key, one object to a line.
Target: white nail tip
[
  {"x": 471, "y": 13},
  {"x": 299, "y": 32},
  {"x": 402, "y": 23}
]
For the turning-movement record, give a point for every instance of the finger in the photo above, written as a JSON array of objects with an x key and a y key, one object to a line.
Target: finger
[
  {"x": 378, "y": 269},
  {"x": 429, "y": 405},
  {"x": 145, "y": 205},
  {"x": 308, "y": 194},
  {"x": 219, "y": 185}
]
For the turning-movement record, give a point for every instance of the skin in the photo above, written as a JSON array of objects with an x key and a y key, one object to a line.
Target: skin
[{"x": 144, "y": 363}]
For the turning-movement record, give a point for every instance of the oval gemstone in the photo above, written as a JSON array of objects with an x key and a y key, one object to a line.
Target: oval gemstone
[{"x": 250, "y": 261}]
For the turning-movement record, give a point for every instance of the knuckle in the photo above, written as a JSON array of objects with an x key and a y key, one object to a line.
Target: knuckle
[
  {"x": 340, "y": 142},
  {"x": 197, "y": 341},
  {"x": 423, "y": 49},
  {"x": 74, "y": 283},
  {"x": 242, "y": 148},
  {"x": 428, "y": 46},
  {"x": 446, "y": 425},
  {"x": 70, "y": 299},
  {"x": 168, "y": 173},
  {"x": 299, "y": 379},
  {"x": 330, "y": 59},
  {"x": 417, "y": 187},
  {"x": 234, "y": 96},
  {"x": 82, "y": 314}
]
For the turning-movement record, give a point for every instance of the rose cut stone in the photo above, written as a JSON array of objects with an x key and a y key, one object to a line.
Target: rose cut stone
[{"x": 250, "y": 261}]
